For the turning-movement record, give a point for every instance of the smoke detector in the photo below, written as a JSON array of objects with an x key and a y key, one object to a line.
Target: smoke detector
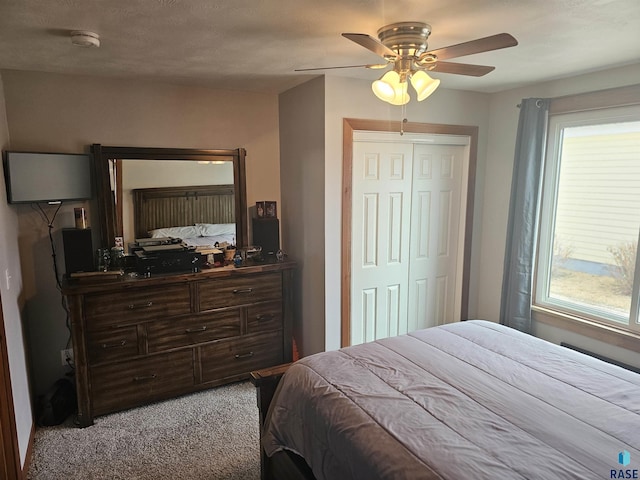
[{"x": 83, "y": 38}]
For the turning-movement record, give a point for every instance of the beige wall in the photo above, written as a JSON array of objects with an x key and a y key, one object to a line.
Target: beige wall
[
  {"x": 302, "y": 180},
  {"x": 67, "y": 113},
  {"x": 12, "y": 299}
]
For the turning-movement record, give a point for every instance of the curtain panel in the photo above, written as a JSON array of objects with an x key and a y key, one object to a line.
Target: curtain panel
[{"x": 517, "y": 280}]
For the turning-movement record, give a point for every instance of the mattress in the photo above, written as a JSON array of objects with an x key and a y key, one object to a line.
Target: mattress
[{"x": 471, "y": 400}]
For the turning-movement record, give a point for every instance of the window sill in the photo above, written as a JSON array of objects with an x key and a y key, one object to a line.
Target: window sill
[{"x": 611, "y": 334}]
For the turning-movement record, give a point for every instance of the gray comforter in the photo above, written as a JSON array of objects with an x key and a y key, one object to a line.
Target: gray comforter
[{"x": 472, "y": 400}]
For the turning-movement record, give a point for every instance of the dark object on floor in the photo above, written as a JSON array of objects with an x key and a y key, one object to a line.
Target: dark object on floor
[{"x": 57, "y": 404}]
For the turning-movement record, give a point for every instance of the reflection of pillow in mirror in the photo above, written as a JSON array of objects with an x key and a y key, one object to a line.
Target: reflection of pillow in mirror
[
  {"x": 190, "y": 231},
  {"x": 213, "y": 229}
]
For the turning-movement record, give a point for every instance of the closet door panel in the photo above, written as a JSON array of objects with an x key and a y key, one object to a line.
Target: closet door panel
[
  {"x": 436, "y": 219},
  {"x": 380, "y": 239}
]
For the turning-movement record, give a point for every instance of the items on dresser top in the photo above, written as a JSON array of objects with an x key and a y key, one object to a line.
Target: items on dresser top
[
  {"x": 141, "y": 340},
  {"x": 165, "y": 255}
]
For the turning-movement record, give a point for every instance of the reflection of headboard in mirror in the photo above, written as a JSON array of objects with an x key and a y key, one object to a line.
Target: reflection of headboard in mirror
[
  {"x": 112, "y": 163},
  {"x": 181, "y": 206}
]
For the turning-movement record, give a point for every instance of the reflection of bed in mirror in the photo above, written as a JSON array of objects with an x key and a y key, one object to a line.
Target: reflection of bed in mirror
[
  {"x": 199, "y": 215},
  {"x": 175, "y": 179},
  {"x": 120, "y": 170}
]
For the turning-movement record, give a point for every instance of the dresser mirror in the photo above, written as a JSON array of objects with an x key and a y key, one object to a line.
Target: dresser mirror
[{"x": 143, "y": 190}]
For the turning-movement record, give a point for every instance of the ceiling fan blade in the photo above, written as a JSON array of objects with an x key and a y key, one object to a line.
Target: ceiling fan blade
[
  {"x": 486, "y": 44},
  {"x": 462, "y": 69},
  {"x": 370, "y": 43},
  {"x": 370, "y": 65}
]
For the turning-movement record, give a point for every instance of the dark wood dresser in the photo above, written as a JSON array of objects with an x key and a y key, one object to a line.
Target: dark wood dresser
[{"x": 141, "y": 340}]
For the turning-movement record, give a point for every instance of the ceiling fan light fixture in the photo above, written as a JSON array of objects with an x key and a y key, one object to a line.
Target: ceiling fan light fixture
[
  {"x": 424, "y": 84},
  {"x": 389, "y": 88}
]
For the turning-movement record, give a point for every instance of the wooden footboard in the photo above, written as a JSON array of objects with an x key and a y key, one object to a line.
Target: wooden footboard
[
  {"x": 283, "y": 465},
  {"x": 266, "y": 381}
]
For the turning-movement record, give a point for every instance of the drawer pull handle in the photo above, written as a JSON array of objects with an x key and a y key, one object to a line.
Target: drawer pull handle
[
  {"x": 244, "y": 355},
  {"x": 114, "y": 345},
  {"x": 239, "y": 291},
  {"x": 144, "y": 377},
  {"x": 265, "y": 316},
  {"x": 196, "y": 330},
  {"x": 133, "y": 306}
]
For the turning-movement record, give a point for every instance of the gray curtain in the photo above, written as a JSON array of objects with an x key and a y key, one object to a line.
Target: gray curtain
[{"x": 515, "y": 307}]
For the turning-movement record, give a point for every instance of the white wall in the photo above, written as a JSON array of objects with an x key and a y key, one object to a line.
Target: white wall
[
  {"x": 350, "y": 98},
  {"x": 503, "y": 117},
  {"x": 12, "y": 303},
  {"x": 67, "y": 113}
]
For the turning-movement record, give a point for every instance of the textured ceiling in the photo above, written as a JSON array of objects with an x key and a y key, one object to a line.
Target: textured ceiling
[{"x": 255, "y": 45}]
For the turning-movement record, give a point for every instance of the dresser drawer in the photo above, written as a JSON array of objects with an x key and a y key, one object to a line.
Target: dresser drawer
[
  {"x": 264, "y": 317},
  {"x": 124, "y": 385},
  {"x": 206, "y": 327},
  {"x": 239, "y": 291},
  {"x": 136, "y": 305},
  {"x": 238, "y": 356},
  {"x": 112, "y": 344}
]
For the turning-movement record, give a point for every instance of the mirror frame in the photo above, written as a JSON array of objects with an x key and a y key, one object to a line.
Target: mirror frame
[{"x": 106, "y": 207}]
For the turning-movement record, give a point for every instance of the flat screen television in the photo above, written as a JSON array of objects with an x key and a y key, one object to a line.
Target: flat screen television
[{"x": 47, "y": 177}]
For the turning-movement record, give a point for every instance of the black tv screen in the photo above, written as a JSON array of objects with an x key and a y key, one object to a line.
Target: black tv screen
[{"x": 47, "y": 177}]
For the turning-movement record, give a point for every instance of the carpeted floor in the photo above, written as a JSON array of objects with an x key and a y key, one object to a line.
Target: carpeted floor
[{"x": 206, "y": 435}]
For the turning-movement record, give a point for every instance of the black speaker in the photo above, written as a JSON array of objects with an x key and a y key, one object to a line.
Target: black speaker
[
  {"x": 78, "y": 250},
  {"x": 266, "y": 234}
]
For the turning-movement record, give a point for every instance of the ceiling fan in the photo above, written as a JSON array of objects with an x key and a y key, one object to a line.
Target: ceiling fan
[{"x": 404, "y": 45}]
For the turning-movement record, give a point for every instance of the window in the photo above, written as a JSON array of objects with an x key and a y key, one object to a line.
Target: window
[{"x": 589, "y": 221}]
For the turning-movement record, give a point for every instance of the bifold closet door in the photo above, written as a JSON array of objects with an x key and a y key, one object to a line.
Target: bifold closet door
[
  {"x": 381, "y": 218},
  {"x": 437, "y": 215},
  {"x": 407, "y": 217}
]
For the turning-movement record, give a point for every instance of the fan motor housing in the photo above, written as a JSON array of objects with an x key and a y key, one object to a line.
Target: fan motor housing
[{"x": 405, "y": 38}]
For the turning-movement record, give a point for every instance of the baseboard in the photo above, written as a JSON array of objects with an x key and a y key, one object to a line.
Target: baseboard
[{"x": 601, "y": 357}]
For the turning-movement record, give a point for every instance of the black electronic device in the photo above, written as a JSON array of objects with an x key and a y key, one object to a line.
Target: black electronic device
[
  {"x": 78, "y": 250},
  {"x": 266, "y": 234},
  {"x": 169, "y": 261},
  {"x": 47, "y": 177}
]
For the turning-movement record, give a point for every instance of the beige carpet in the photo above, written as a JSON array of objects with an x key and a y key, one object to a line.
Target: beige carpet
[{"x": 206, "y": 435}]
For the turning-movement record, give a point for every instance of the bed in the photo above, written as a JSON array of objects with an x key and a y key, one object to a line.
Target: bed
[
  {"x": 470, "y": 400},
  {"x": 199, "y": 215}
]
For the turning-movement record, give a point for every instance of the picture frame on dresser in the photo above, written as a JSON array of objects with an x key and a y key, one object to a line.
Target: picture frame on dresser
[{"x": 270, "y": 209}]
